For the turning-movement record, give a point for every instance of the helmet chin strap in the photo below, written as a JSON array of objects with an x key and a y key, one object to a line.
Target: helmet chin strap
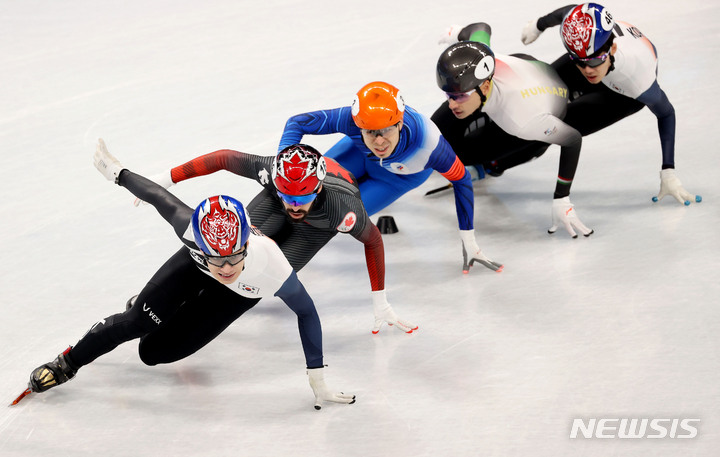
[
  {"x": 483, "y": 98},
  {"x": 612, "y": 63}
]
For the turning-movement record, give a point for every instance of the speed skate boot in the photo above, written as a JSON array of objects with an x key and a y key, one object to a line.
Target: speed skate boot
[
  {"x": 494, "y": 170},
  {"x": 53, "y": 373}
]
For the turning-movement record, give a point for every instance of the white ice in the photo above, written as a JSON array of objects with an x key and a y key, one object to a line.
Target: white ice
[{"x": 624, "y": 324}]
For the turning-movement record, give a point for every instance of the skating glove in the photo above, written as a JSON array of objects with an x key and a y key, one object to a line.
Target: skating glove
[
  {"x": 671, "y": 185},
  {"x": 477, "y": 172},
  {"x": 384, "y": 313},
  {"x": 163, "y": 179},
  {"x": 530, "y": 32},
  {"x": 472, "y": 253},
  {"x": 563, "y": 213},
  {"x": 321, "y": 390},
  {"x": 106, "y": 163},
  {"x": 451, "y": 35}
]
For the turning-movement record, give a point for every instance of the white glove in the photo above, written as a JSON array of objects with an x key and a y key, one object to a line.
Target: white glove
[
  {"x": 451, "y": 35},
  {"x": 563, "y": 212},
  {"x": 106, "y": 163},
  {"x": 671, "y": 185},
  {"x": 472, "y": 253},
  {"x": 321, "y": 390},
  {"x": 384, "y": 313},
  {"x": 530, "y": 32},
  {"x": 163, "y": 179}
]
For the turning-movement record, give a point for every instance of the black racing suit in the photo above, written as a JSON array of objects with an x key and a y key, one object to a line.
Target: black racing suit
[
  {"x": 181, "y": 308},
  {"x": 478, "y": 141}
]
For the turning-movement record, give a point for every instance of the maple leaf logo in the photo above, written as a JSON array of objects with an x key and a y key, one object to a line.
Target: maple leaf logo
[
  {"x": 335, "y": 168},
  {"x": 296, "y": 167},
  {"x": 348, "y": 222}
]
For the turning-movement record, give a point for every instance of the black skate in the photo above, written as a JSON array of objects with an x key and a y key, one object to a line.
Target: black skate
[
  {"x": 52, "y": 374},
  {"x": 493, "y": 169}
]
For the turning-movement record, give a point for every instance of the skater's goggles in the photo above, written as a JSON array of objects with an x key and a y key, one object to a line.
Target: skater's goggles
[
  {"x": 591, "y": 62},
  {"x": 297, "y": 200},
  {"x": 385, "y": 133},
  {"x": 220, "y": 261},
  {"x": 460, "y": 97}
]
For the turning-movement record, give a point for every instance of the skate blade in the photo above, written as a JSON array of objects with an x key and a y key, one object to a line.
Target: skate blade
[{"x": 27, "y": 392}]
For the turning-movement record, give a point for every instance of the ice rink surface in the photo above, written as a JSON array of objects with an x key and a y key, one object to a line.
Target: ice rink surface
[{"x": 624, "y": 324}]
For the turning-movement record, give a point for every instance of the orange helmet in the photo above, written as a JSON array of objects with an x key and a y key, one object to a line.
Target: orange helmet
[{"x": 377, "y": 105}]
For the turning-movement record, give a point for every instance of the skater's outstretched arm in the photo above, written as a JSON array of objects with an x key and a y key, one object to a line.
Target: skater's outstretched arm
[{"x": 171, "y": 208}]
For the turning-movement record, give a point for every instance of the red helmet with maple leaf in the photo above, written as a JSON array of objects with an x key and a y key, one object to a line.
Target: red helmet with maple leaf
[{"x": 298, "y": 169}]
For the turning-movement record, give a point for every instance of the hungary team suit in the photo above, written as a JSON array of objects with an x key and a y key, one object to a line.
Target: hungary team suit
[{"x": 522, "y": 116}]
